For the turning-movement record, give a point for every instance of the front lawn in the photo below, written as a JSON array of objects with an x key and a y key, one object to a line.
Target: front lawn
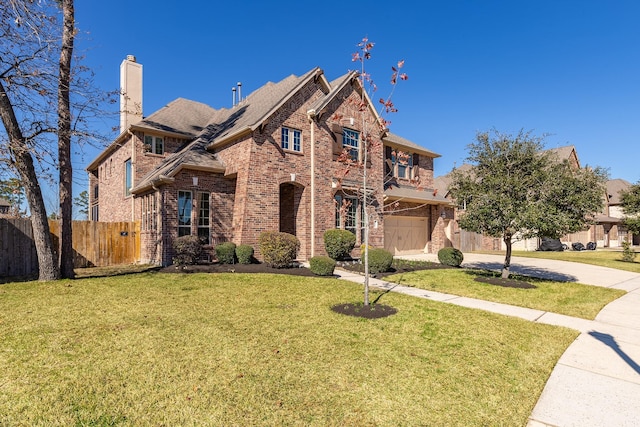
[
  {"x": 238, "y": 349},
  {"x": 571, "y": 299}
]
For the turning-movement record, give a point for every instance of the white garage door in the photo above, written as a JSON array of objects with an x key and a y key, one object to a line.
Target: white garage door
[{"x": 405, "y": 234}]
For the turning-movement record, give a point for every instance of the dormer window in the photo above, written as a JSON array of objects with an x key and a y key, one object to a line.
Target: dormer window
[
  {"x": 153, "y": 144},
  {"x": 291, "y": 139}
]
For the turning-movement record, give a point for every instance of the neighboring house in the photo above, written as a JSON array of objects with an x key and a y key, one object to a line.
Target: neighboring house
[
  {"x": 266, "y": 163},
  {"x": 606, "y": 232},
  {"x": 5, "y": 206},
  {"x": 610, "y": 222}
]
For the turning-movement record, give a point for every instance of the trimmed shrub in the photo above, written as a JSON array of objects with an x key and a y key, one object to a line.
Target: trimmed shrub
[
  {"x": 450, "y": 256},
  {"x": 380, "y": 260},
  {"x": 339, "y": 243},
  {"x": 244, "y": 254},
  {"x": 187, "y": 250},
  {"x": 226, "y": 253},
  {"x": 322, "y": 265},
  {"x": 278, "y": 249},
  {"x": 628, "y": 254}
]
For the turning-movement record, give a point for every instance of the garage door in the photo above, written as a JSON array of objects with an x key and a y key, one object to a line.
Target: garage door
[{"x": 405, "y": 234}]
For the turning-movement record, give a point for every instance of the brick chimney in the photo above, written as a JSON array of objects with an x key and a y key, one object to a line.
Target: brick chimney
[{"x": 130, "y": 92}]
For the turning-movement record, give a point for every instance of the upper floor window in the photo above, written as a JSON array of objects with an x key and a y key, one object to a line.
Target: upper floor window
[
  {"x": 153, "y": 144},
  {"x": 350, "y": 141},
  {"x": 402, "y": 164},
  {"x": 128, "y": 177},
  {"x": 291, "y": 139}
]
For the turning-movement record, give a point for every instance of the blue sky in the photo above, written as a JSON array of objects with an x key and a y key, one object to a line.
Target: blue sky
[{"x": 570, "y": 69}]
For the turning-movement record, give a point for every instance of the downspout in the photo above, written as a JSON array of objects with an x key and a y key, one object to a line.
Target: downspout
[
  {"x": 133, "y": 173},
  {"x": 312, "y": 114}
]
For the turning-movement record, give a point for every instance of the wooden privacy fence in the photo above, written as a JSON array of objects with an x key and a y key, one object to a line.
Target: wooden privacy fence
[
  {"x": 94, "y": 244},
  {"x": 17, "y": 250}
]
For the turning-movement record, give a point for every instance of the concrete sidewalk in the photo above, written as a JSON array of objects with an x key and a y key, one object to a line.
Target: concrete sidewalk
[{"x": 597, "y": 380}]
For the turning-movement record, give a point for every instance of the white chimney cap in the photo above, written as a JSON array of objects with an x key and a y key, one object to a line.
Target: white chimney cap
[{"x": 131, "y": 58}]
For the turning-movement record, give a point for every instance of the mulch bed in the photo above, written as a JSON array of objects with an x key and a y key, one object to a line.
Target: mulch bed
[
  {"x": 372, "y": 311},
  {"x": 237, "y": 268},
  {"x": 505, "y": 283}
]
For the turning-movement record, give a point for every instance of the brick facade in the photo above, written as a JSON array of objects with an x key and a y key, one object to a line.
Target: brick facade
[{"x": 262, "y": 187}]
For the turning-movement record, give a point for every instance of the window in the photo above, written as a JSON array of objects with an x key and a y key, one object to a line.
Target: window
[
  {"x": 350, "y": 142},
  {"x": 153, "y": 144},
  {"x": 184, "y": 213},
  {"x": 127, "y": 177},
  {"x": 402, "y": 164},
  {"x": 94, "y": 213},
  {"x": 95, "y": 192},
  {"x": 203, "y": 218},
  {"x": 149, "y": 221},
  {"x": 291, "y": 139},
  {"x": 347, "y": 213}
]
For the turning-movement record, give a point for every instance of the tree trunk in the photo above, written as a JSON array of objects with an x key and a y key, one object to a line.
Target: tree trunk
[
  {"x": 64, "y": 141},
  {"x": 23, "y": 162},
  {"x": 507, "y": 257}
]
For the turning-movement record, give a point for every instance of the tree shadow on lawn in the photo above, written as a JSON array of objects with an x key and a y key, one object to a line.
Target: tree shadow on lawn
[{"x": 540, "y": 273}]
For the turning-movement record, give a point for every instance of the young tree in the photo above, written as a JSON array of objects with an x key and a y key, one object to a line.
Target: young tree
[
  {"x": 631, "y": 208},
  {"x": 516, "y": 189},
  {"x": 371, "y": 134}
]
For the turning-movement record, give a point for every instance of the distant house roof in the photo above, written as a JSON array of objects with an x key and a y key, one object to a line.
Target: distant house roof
[
  {"x": 4, "y": 202},
  {"x": 614, "y": 188},
  {"x": 442, "y": 183}
]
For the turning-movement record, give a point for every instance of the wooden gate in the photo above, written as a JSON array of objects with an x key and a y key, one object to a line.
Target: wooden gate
[
  {"x": 470, "y": 241},
  {"x": 99, "y": 244}
]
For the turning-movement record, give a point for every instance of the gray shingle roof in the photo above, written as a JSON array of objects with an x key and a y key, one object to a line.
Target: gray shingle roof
[
  {"x": 411, "y": 146},
  {"x": 413, "y": 194},
  {"x": 180, "y": 116}
]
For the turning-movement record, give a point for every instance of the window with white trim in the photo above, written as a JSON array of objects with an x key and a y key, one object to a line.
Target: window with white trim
[
  {"x": 351, "y": 141},
  {"x": 184, "y": 213},
  {"x": 153, "y": 144},
  {"x": 291, "y": 139}
]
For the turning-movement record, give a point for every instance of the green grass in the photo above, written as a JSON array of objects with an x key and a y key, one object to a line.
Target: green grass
[
  {"x": 603, "y": 258},
  {"x": 228, "y": 349},
  {"x": 571, "y": 299}
]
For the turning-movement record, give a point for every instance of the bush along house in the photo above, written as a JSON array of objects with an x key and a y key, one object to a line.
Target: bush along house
[{"x": 270, "y": 162}]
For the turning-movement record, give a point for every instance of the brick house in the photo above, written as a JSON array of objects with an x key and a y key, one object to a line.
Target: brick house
[{"x": 270, "y": 162}]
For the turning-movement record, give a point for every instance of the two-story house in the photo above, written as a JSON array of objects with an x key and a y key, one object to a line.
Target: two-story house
[{"x": 269, "y": 162}]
